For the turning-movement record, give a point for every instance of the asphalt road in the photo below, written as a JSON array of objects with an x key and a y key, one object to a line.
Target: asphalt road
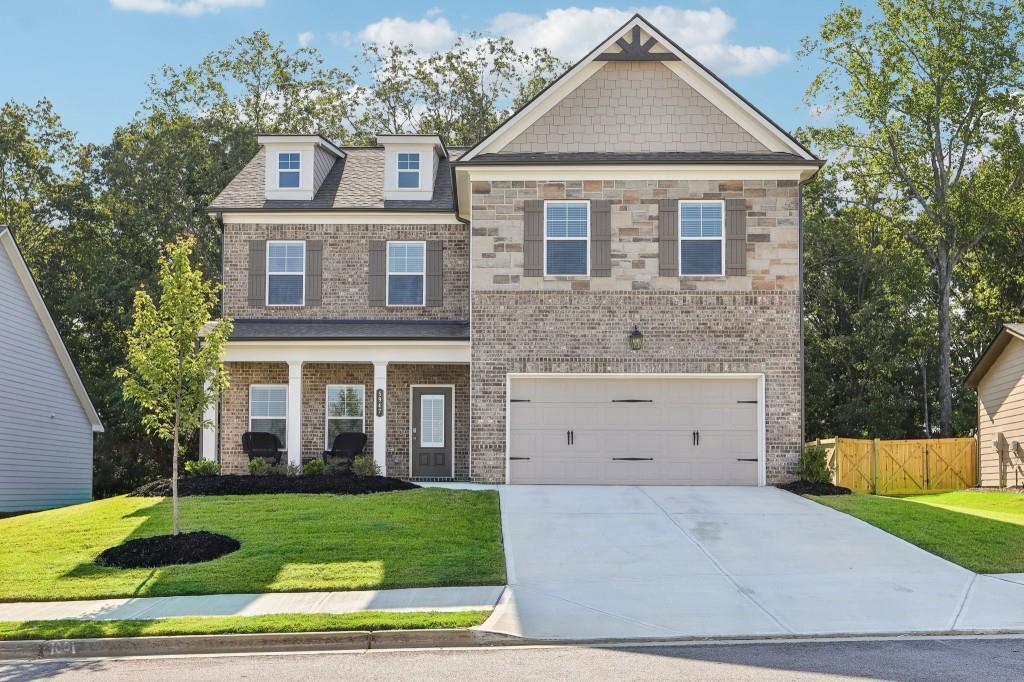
[{"x": 988, "y": 659}]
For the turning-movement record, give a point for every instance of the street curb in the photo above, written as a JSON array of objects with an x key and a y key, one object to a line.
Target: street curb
[{"x": 171, "y": 645}]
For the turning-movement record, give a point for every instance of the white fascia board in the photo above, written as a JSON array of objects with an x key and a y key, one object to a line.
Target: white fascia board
[
  {"x": 356, "y": 351},
  {"x": 640, "y": 172},
  {"x": 36, "y": 299},
  {"x": 315, "y": 140},
  {"x": 336, "y": 218}
]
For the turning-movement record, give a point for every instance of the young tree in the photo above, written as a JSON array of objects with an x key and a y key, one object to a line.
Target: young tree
[
  {"x": 923, "y": 91},
  {"x": 172, "y": 373}
]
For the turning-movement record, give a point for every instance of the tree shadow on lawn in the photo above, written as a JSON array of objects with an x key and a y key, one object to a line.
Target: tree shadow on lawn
[
  {"x": 977, "y": 543},
  {"x": 293, "y": 543}
]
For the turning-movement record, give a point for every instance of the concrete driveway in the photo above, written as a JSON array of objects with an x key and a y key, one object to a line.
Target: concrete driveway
[{"x": 593, "y": 562}]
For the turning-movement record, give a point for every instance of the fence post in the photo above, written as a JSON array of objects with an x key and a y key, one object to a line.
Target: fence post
[
  {"x": 874, "y": 466},
  {"x": 927, "y": 468}
]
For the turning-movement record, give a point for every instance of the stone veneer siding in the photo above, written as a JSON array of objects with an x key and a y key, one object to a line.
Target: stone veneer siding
[
  {"x": 634, "y": 107},
  {"x": 691, "y": 325},
  {"x": 234, "y": 412},
  {"x": 346, "y": 270}
]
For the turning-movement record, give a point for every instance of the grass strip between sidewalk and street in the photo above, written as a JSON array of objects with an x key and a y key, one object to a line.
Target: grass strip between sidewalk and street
[{"x": 219, "y": 625}]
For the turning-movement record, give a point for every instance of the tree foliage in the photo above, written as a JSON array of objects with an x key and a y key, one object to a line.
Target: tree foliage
[{"x": 170, "y": 371}]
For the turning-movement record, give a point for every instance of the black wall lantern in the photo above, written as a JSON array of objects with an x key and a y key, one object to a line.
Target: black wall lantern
[{"x": 636, "y": 339}]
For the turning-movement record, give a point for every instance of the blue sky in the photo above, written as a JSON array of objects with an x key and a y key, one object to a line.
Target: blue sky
[{"x": 92, "y": 58}]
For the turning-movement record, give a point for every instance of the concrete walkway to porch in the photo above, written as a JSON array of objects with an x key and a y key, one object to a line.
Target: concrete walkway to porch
[{"x": 151, "y": 608}]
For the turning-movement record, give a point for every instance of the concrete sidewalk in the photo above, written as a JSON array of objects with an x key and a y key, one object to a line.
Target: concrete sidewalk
[{"x": 412, "y": 599}]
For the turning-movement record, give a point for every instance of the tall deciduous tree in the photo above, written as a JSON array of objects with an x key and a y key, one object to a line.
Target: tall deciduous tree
[
  {"x": 924, "y": 90},
  {"x": 171, "y": 372}
]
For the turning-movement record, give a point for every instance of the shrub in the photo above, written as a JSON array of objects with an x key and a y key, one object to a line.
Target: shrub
[
  {"x": 335, "y": 469},
  {"x": 259, "y": 467},
  {"x": 313, "y": 467},
  {"x": 813, "y": 465},
  {"x": 363, "y": 465},
  {"x": 201, "y": 467}
]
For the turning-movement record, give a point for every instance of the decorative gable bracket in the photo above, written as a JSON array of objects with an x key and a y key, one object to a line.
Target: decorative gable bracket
[{"x": 635, "y": 51}]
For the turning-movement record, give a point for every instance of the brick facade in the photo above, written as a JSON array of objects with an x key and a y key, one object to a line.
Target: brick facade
[
  {"x": 346, "y": 270},
  {"x": 234, "y": 411},
  {"x": 634, "y": 107},
  {"x": 721, "y": 324}
]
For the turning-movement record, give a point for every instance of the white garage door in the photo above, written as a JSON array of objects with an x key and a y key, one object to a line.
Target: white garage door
[{"x": 631, "y": 431}]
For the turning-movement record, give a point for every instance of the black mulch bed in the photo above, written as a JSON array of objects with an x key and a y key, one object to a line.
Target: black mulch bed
[
  {"x": 166, "y": 550},
  {"x": 805, "y": 488},
  {"x": 341, "y": 484}
]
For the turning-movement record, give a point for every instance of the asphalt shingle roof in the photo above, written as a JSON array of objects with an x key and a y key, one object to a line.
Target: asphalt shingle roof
[
  {"x": 353, "y": 330},
  {"x": 355, "y": 182}
]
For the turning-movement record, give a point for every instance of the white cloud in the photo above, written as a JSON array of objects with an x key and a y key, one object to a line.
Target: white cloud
[
  {"x": 426, "y": 34},
  {"x": 571, "y": 32},
  {"x": 306, "y": 38},
  {"x": 188, "y": 8}
]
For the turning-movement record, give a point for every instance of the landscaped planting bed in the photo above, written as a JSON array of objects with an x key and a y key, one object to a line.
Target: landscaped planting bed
[
  {"x": 806, "y": 488},
  {"x": 338, "y": 484},
  {"x": 167, "y": 550}
]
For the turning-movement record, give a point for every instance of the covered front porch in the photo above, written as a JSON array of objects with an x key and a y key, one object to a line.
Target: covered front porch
[{"x": 410, "y": 396}]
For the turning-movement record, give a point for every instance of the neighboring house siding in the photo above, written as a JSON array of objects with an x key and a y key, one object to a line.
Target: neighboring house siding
[
  {"x": 634, "y": 107},
  {"x": 45, "y": 435},
  {"x": 1001, "y": 410},
  {"x": 322, "y": 162},
  {"x": 346, "y": 270},
  {"x": 748, "y": 323}
]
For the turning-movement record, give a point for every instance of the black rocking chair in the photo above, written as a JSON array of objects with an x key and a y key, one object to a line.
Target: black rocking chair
[
  {"x": 346, "y": 447},
  {"x": 260, "y": 444}
]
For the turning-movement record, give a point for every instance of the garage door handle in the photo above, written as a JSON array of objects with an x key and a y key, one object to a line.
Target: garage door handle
[
  {"x": 744, "y": 459},
  {"x": 632, "y": 400},
  {"x": 517, "y": 458},
  {"x": 632, "y": 459}
]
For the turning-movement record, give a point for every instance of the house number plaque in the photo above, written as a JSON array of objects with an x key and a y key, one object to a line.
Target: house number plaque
[{"x": 380, "y": 402}]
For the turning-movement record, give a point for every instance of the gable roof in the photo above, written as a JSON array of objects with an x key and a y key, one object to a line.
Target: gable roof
[
  {"x": 354, "y": 183},
  {"x": 8, "y": 244},
  {"x": 1008, "y": 333},
  {"x": 626, "y": 40}
]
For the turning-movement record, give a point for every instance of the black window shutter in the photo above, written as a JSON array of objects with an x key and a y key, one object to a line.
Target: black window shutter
[
  {"x": 435, "y": 271},
  {"x": 257, "y": 272},
  {"x": 600, "y": 238},
  {"x": 314, "y": 272},
  {"x": 378, "y": 267},
  {"x": 533, "y": 238},
  {"x": 668, "y": 238},
  {"x": 735, "y": 237}
]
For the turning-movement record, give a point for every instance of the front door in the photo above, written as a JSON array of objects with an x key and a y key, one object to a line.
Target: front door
[{"x": 431, "y": 432}]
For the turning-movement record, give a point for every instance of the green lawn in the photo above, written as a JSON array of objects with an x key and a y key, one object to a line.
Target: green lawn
[
  {"x": 290, "y": 543},
  {"x": 982, "y": 531},
  {"x": 323, "y": 622}
]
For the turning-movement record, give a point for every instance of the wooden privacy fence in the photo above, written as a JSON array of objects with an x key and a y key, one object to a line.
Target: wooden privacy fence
[{"x": 902, "y": 467}]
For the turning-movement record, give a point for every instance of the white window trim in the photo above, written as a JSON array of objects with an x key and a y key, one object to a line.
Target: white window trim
[
  {"x": 328, "y": 418},
  {"x": 285, "y": 417},
  {"x": 399, "y": 171},
  {"x": 278, "y": 170},
  {"x": 566, "y": 239},
  {"x": 388, "y": 273},
  {"x": 269, "y": 273},
  {"x": 679, "y": 234}
]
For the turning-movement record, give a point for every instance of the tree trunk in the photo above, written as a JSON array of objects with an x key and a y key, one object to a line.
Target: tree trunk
[
  {"x": 174, "y": 480},
  {"x": 945, "y": 276}
]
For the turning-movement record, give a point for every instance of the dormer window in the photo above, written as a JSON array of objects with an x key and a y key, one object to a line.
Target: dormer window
[
  {"x": 288, "y": 168},
  {"x": 409, "y": 170}
]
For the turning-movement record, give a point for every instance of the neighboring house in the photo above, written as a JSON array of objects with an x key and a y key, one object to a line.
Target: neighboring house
[
  {"x": 47, "y": 421},
  {"x": 998, "y": 378},
  {"x": 607, "y": 289}
]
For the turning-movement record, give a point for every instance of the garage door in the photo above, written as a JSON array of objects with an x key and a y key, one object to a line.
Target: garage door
[{"x": 632, "y": 431}]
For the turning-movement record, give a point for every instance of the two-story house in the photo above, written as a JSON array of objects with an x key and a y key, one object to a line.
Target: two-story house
[{"x": 607, "y": 289}]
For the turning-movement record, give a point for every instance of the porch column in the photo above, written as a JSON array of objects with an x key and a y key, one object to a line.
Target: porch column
[
  {"x": 294, "y": 443},
  {"x": 208, "y": 448},
  {"x": 380, "y": 416}
]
